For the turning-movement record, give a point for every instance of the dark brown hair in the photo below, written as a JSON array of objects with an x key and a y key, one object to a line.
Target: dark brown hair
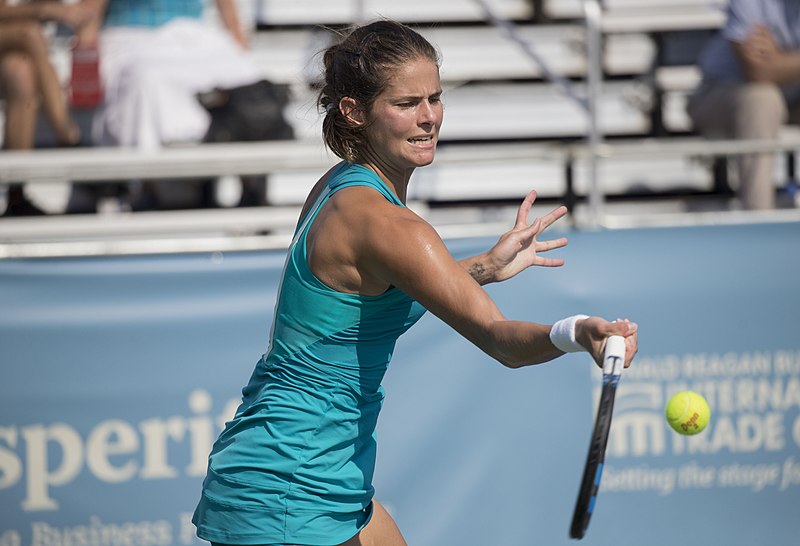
[{"x": 359, "y": 67}]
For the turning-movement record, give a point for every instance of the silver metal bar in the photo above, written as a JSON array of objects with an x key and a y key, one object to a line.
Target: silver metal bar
[
  {"x": 511, "y": 31},
  {"x": 139, "y": 242},
  {"x": 104, "y": 164},
  {"x": 594, "y": 55},
  {"x": 210, "y": 160},
  {"x": 683, "y": 146}
]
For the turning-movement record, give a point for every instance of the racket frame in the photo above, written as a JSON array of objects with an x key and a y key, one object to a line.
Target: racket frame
[{"x": 613, "y": 363}]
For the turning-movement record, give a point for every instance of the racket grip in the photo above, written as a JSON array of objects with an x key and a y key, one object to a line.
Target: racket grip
[{"x": 614, "y": 355}]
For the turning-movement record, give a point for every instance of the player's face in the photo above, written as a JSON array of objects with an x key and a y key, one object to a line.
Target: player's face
[{"x": 407, "y": 116}]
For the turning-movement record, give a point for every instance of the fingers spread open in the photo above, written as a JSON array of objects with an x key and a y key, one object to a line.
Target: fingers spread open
[{"x": 524, "y": 209}]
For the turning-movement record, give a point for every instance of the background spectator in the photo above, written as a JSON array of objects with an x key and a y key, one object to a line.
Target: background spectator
[
  {"x": 29, "y": 82},
  {"x": 156, "y": 58},
  {"x": 751, "y": 86}
]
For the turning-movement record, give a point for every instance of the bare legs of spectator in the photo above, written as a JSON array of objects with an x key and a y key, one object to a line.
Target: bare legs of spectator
[
  {"x": 22, "y": 101},
  {"x": 747, "y": 112},
  {"x": 29, "y": 80}
]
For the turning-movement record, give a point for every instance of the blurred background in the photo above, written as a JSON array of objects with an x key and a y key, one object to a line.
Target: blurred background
[{"x": 155, "y": 158}]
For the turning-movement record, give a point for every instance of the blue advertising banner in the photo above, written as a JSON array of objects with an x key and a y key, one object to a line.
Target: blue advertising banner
[{"x": 117, "y": 373}]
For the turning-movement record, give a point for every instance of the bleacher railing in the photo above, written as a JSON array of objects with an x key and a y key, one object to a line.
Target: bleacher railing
[
  {"x": 207, "y": 160},
  {"x": 588, "y": 103}
]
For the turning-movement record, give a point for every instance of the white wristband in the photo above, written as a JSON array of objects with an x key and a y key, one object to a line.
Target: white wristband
[{"x": 562, "y": 334}]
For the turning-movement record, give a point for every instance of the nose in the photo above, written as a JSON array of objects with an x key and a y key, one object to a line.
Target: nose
[{"x": 427, "y": 113}]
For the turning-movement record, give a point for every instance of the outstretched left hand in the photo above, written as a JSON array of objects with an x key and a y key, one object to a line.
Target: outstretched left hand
[{"x": 518, "y": 249}]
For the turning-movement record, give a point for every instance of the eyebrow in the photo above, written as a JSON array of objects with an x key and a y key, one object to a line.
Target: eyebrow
[{"x": 408, "y": 97}]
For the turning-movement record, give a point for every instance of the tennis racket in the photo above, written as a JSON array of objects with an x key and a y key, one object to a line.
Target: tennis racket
[{"x": 613, "y": 362}]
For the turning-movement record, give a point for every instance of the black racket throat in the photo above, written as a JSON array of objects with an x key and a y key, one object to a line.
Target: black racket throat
[{"x": 592, "y": 471}]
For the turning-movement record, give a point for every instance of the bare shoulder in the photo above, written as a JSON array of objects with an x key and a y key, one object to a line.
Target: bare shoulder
[
  {"x": 372, "y": 223},
  {"x": 359, "y": 239},
  {"x": 378, "y": 222},
  {"x": 392, "y": 243},
  {"x": 364, "y": 244}
]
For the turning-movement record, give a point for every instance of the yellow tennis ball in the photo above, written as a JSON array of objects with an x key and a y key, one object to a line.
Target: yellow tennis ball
[{"x": 687, "y": 412}]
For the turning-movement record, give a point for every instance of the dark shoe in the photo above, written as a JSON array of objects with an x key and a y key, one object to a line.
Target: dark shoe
[{"x": 18, "y": 204}]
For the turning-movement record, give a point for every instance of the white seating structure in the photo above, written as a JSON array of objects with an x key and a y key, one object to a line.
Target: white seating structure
[
  {"x": 493, "y": 90},
  {"x": 507, "y": 127}
]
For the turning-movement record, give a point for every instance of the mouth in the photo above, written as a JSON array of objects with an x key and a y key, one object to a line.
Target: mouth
[{"x": 421, "y": 140}]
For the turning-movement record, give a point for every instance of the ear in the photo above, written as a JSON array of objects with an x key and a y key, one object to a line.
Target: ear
[{"x": 351, "y": 111}]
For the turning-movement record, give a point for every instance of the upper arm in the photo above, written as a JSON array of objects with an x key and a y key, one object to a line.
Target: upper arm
[
  {"x": 407, "y": 253},
  {"x": 742, "y": 15},
  {"x": 748, "y": 67},
  {"x": 361, "y": 243}
]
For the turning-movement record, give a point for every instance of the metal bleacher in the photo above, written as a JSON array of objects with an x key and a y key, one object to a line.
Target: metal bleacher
[
  {"x": 508, "y": 127},
  {"x": 497, "y": 95}
]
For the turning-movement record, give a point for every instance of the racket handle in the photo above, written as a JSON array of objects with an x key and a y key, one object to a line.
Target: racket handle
[{"x": 614, "y": 355}]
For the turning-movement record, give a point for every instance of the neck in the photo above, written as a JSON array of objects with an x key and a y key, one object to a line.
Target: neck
[{"x": 395, "y": 179}]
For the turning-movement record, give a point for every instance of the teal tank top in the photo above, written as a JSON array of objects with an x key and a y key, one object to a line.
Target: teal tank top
[{"x": 295, "y": 464}]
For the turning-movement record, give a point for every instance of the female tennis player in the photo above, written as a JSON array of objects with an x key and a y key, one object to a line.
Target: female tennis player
[{"x": 295, "y": 464}]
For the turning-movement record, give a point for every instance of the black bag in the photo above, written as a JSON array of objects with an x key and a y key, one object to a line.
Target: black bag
[{"x": 248, "y": 113}]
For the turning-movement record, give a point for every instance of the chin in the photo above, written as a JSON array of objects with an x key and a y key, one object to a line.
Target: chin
[
  {"x": 420, "y": 162},
  {"x": 424, "y": 158}
]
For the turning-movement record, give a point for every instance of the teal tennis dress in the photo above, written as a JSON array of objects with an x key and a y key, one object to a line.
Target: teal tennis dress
[{"x": 295, "y": 464}]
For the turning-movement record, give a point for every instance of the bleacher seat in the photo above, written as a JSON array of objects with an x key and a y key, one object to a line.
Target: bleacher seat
[
  {"x": 492, "y": 111},
  {"x": 495, "y": 92},
  {"x": 343, "y": 12},
  {"x": 473, "y": 52},
  {"x": 644, "y": 14}
]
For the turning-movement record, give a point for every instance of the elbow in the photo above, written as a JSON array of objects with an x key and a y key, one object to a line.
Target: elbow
[
  {"x": 515, "y": 364},
  {"x": 505, "y": 358},
  {"x": 515, "y": 352},
  {"x": 525, "y": 355},
  {"x": 758, "y": 77},
  {"x": 503, "y": 353},
  {"x": 512, "y": 362},
  {"x": 758, "y": 74}
]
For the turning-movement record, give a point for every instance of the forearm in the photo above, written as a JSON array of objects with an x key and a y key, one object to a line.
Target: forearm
[
  {"x": 783, "y": 69},
  {"x": 516, "y": 344},
  {"x": 230, "y": 19},
  {"x": 470, "y": 311},
  {"x": 38, "y": 11},
  {"x": 88, "y": 33},
  {"x": 763, "y": 61}
]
